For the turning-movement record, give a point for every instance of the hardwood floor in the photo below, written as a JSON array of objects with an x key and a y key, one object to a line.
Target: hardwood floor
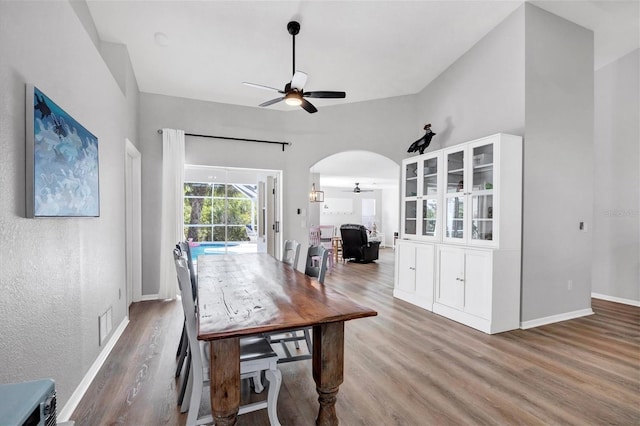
[{"x": 406, "y": 366}]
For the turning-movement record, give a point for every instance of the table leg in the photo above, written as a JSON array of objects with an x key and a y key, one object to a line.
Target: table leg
[
  {"x": 225, "y": 380},
  {"x": 328, "y": 369}
]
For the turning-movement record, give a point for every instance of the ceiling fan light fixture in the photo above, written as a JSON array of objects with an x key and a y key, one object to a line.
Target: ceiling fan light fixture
[{"x": 293, "y": 99}]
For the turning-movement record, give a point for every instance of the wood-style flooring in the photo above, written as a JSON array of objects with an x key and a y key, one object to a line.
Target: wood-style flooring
[{"x": 407, "y": 366}]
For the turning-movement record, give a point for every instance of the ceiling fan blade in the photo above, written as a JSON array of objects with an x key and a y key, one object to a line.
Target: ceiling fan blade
[
  {"x": 325, "y": 94},
  {"x": 260, "y": 86},
  {"x": 298, "y": 80},
  {"x": 271, "y": 102},
  {"x": 308, "y": 106}
]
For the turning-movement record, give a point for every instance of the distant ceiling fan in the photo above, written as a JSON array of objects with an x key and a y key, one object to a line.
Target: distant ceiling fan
[
  {"x": 357, "y": 189},
  {"x": 293, "y": 91}
]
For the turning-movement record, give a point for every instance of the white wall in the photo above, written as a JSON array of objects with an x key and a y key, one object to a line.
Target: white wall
[
  {"x": 616, "y": 181},
  {"x": 356, "y": 201},
  {"x": 387, "y": 211},
  {"x": 558, "y": 166},
  {"x": 58, "y": 275}
]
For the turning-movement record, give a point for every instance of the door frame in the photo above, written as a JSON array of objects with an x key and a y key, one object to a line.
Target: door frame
[{"x": 133, "y": 224}]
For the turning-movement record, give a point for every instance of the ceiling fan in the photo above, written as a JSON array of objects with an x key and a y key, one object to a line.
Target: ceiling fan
[
  {"x": 357, "y": 189},
  {"x": 293, "y": 91}
]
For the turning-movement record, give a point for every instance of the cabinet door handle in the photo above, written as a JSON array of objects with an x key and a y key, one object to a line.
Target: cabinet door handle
[{"x": 413, "y": 269}]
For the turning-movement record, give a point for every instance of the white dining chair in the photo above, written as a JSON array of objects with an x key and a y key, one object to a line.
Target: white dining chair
[
  {"x": 291, "y": 252},
  {"x": 316, "y": 262},
  {"x": 256, "y": 356},
  {"x": 184, "y": 249},
  {"x": 315, "y": 266}
]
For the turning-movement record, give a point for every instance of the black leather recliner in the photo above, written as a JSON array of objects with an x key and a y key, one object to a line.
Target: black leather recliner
[{"x": 356, "y": 244}]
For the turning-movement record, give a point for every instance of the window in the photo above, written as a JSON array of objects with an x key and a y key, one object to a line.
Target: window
[
  {"x": 368, "y": 212},
  {"x": 219, "y": 212}
]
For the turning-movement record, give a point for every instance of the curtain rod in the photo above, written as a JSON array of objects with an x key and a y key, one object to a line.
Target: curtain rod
[{"x": 283, "y": 144}]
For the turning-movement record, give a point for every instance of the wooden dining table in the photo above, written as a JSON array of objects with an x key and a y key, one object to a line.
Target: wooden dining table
[{"x": 247, "y": 294}]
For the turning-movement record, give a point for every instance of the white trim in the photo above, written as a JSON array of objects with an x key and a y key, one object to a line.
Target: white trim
[
  {"x": 556, "y": 318},
  {"x": 133, "y": 219},
  {"x": 77, "y": 395},
  {"x": 147, "y": 297},
  {"x": 616, "y": 299}
]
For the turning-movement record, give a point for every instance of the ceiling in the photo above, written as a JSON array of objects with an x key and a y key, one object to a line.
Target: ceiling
[{"x": 370, "y": 49}]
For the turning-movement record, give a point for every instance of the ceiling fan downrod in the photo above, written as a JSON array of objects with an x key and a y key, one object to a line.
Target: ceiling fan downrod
[{"x": 294, "y": 28}]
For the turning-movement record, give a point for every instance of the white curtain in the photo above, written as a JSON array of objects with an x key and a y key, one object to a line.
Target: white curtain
[{"x": 172, "y": 208}]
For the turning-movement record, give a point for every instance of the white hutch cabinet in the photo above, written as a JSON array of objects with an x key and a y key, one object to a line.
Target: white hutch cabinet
[{"x": 461, "y": 232}]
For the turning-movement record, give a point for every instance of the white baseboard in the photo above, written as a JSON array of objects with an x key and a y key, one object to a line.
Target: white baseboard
[
  {"x": 147, "y": 297},
  {"x": 76, "y": 397},
  {"x": 616, "y": 299},
  {"x": 556, "y": 318}
]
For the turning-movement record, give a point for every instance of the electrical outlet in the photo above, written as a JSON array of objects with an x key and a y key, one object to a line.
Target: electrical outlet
[{"x": 570, "y": 285}]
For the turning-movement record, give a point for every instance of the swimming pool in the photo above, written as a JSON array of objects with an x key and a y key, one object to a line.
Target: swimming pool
[{"x": 216, "y": 247}]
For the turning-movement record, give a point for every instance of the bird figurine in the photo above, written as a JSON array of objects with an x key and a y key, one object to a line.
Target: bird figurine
[{"x": 422, "y": 143}]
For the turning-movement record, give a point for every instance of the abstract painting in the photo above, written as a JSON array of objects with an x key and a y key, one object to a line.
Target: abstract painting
[{"x": 62, "y": 162}]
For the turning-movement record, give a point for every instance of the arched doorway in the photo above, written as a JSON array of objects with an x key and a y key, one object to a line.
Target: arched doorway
[{"x": 375, "y": 201}]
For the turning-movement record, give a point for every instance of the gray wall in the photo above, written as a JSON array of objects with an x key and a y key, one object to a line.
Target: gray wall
[
  {"x": 116, "y": 56},
  {"x": 558, "y": 166},
  {"x": 58, "y": 275},
  {"x": 482, "y": 93},
  {"x": 616, "y": 182},
  {"x": 532, "y": 76},
  {"x": 386, "y": 127}
]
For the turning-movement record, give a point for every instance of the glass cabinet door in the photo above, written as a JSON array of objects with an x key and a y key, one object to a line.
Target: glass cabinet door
[
  {"x": 430, "y": 194},
  {"x": 422, "y": 212},
  {"x": 411, "y": 180},
  {"x": 455, "y": 172},
  {"x": 429, "y": 217},
  {"x": 455, "y": 217},
  {"x": 455, "y": 208},
  {"x": 410, "y": 217},
  {"x": 411, "y": 192},
  {"x": 430, "y": 176},
  {"x": 482, "y": 222},
  {"x": 482, "y": 193}
]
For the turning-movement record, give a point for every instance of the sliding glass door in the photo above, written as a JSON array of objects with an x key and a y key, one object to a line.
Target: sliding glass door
[{"x": 221, "y": 217}]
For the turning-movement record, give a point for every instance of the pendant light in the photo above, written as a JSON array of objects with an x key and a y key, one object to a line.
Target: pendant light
[{"x": 316, "y": 196}]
